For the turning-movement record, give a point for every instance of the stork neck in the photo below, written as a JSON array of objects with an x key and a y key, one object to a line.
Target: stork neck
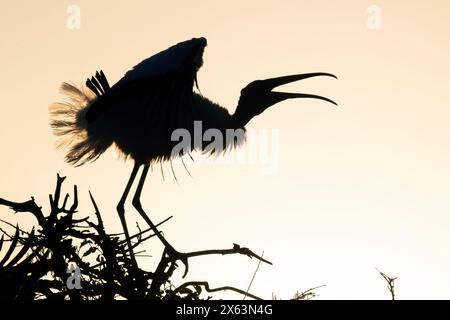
[{"x": 240, "y": 119}]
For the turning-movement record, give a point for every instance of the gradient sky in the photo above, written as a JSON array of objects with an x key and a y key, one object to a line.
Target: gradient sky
[{"x": 362, "y": 186}]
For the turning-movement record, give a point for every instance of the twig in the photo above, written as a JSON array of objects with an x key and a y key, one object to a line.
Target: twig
[
  {"x": 27, "y": 206},
  {"x": 391, "y": 283},
  {"x": 97, "y": 212},
  {"x": 253, "y": 278},
  {"x": 205, "y": 284},
  {"x": 307, "y": 294},
  {"x": 143, "y": 232},
  {"x": 236, "y": 249},
  {"x": 13, "y": 226}
]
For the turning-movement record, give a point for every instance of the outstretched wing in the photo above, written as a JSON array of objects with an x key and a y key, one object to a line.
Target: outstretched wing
[
  {"x": 184, "y": 58},
  {"x": 166, "y": 62}
]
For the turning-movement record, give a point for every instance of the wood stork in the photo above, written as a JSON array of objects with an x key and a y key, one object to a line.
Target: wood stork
[{"x": 141, "y": 111}]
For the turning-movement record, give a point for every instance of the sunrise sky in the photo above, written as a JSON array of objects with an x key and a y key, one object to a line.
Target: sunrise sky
[{"x": 361, "y": 186}]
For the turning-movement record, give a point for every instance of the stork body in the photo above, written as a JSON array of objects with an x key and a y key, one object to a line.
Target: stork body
[{"x": 142, "y": 110}]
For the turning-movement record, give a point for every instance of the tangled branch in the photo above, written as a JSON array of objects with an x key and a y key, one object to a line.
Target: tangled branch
[{"x": 35, "y": 264}]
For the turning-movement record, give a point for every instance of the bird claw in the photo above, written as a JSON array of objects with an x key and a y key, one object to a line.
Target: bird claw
[{"x": 174, "y": 255}]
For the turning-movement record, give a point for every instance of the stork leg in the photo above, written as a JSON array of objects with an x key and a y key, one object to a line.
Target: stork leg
[
  {"x": 121, "y": 211},
  {"x": 138, "y": 206}
]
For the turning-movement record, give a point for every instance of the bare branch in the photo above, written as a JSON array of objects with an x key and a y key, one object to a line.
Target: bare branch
[
  {"x": 237, "y": 249},
  {"x": 27, "y": 206},
  {"x": 112, "y": 273},
  {"x": 307, "y": 294},
  {"x": 254, "y": 275},
  {"x": 145, "y": 231},
  {"x": 205, "y": 284},
  {"x": 391, "y": 283}
]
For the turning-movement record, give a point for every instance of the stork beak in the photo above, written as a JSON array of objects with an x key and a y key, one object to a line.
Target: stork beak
[{"x": 276, "y": 96}]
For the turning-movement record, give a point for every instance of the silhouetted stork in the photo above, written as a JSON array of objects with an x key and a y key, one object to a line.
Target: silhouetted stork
[{"x": 141, "y": 111}]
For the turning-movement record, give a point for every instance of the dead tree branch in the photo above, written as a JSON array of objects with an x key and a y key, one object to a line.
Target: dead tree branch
[
  {"x": 391, "y": 283},
  {"x": 208, "y": 289},
  {"x": 103, "y": 259}
]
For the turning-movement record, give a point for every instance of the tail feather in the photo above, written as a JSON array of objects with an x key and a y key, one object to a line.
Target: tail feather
[
  {"x": 98, "y": 84},
  {"x": 103, "y": 81},
  {"x": 91, "y": 85},
  {"x": 68, "y": 121}
]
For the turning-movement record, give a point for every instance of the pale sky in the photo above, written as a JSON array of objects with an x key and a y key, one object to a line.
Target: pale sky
[{"x": 362, "y": 186}]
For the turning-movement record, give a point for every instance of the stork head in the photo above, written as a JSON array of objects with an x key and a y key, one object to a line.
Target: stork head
[{"x": 258, "y": 95}]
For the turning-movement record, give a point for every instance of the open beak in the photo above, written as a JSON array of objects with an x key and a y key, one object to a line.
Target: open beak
[{"x": 276, "y": 96}]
